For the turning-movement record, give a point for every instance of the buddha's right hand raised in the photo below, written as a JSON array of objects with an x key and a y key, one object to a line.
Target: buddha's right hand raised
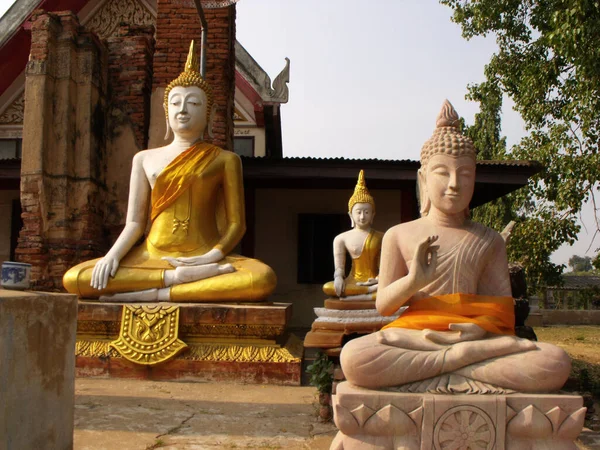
[
  {"x": 104, "y": 268},
  {"x": 424, "y": 263}
]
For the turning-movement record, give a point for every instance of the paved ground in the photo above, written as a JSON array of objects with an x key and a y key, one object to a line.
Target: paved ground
[
  {"x": 141, "y": 415},
  {"x": 138, "y": 415}
]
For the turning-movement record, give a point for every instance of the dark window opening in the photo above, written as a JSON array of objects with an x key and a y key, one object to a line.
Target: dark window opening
[
  {"x": 10, "y": 149},
  {"x": 243, "y": 146},
  {"x": 315, "y": 246},
  {"x": 16, "y": 223}
]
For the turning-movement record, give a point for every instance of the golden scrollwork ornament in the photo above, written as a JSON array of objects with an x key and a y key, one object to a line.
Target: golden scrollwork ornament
[{"x": 149, "y": 334}]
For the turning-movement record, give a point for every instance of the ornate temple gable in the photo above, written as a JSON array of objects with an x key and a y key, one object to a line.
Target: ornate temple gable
[
  {"x": 13, "y": 113},
  {"x": 106, "y": 18},
  {"x": 255, "y": 75},
  {"x": 241, "y": 114}
]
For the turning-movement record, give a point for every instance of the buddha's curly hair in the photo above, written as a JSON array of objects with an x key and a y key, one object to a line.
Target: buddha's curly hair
[{"x": 447, "y": 138}]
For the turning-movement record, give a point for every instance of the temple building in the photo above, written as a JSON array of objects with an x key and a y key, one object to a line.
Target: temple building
[{"x": 81, "y": 92}]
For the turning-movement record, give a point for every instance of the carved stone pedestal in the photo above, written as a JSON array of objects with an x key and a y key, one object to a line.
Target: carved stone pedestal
[
  {"x": 342, "y": 318},
  {"x": 192, "y": 341},
  {"x": 382, "y": 420}
]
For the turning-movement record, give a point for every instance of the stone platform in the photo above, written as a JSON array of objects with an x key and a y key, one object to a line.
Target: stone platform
[
  {"x": 382, "y": 420},
  {"x": 37, "y": 380},
  {"x": 208, "y": 342}
]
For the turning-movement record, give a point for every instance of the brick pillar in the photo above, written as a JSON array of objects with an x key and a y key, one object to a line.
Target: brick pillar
[
  {"x": 130, "y": 53},
  {"x": 62, "y": 184},
  {"x": 177, "y": 23}
]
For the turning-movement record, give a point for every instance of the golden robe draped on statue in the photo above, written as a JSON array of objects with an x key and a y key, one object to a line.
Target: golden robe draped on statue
[
  {"x": 364, "y": 267},
  {"x": 197, "y": 205}
]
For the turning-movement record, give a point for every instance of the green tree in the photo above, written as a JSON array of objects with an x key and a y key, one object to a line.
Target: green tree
[
  {"x": 580, "y": 264},
  {"x": 548, "y": 62}
]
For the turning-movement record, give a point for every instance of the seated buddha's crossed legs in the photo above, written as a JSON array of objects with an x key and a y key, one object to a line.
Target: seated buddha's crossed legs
[
  {"x": 504, "y": 361},
  {"x": 251, "y": 280}
]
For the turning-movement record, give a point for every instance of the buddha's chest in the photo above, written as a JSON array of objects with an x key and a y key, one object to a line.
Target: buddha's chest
[
  {"x": 355, "y": 243},
  {"x": 159, "y": 165}
]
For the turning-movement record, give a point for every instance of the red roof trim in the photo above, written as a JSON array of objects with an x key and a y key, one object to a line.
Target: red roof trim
[{"x": 15, "y": 53}]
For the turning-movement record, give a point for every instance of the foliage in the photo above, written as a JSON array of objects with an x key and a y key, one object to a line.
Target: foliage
[
  {"x": 580, "y": 264},
  {"x": 548, "y": 62},
  {"x": 596, "y": 261},
  {"x": 321, "y": 373}
]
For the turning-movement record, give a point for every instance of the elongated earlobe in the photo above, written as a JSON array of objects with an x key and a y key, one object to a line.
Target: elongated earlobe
[
  {"x": 351, "y": 219},
  {"x": 424, "y": 202},
  {"x": 168, "y": 127},
  {"x": 168, "y": 132}
]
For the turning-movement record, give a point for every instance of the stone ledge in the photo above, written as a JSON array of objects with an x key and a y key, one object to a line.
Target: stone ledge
[{"x": 380, "y": 420}]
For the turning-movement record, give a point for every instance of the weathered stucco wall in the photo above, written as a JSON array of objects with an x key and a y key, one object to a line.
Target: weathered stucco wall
[
  {"x": 37, "y": 370},
  {"x": 63, "y": 185},
  {"x": 276, "y": 237}
]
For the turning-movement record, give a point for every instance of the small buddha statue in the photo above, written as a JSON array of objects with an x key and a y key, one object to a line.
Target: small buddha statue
[
  {"x": 452, "y": 274},
  {"x": 364, "y": 246},
  {"x": 196, "y": 198}
]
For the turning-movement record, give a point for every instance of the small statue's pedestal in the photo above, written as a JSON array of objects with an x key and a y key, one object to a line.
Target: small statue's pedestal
[
  {"x": 382, "y": 420},
  {"x": 341, "y": 318},
  {"x": 205, "y": 342}
]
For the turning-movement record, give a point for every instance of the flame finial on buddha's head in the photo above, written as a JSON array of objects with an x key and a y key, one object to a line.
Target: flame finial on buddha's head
[
  {"x": 191, "y": 77},
  {"x": 361, "y": 193},
  {"x": 447, "y": 137}
]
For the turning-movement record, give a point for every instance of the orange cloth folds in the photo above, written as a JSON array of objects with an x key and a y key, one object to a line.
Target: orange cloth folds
[
  {"x": 179, "y": 175},
  {"x": 493, "y": 314}
]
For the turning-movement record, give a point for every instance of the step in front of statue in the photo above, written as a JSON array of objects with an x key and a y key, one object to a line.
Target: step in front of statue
[
  {"x": 369, "y": 419},
  {"x": 191, "y": 342}
]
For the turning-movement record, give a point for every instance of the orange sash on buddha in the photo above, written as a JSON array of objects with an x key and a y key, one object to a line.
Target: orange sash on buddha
[
  {"x": 493, "y": 314},
  {"x": 179, "y": 174}
]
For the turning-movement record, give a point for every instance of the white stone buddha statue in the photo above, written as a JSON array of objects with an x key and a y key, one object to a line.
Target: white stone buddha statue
[
  {"x": 195, "y": 191},
  {"x": 363, "y": 244},
  {"x": 453, "y": 275}
]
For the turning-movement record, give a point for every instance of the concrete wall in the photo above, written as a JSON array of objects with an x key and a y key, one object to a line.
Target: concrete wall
[
  {"x": 277, "y": 233},
  {"x": 37, "y": 370},
  {"x": 570, "y": 317},
  {"x": 6, "y": 199}
]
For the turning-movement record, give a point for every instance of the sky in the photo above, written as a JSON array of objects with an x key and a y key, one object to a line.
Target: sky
[{"x": 367, "y": 78}]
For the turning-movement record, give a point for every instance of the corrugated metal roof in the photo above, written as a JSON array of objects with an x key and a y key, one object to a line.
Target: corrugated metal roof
[
  {"x": 577, "y": 282},
  {"x": 502, "y": 163}
]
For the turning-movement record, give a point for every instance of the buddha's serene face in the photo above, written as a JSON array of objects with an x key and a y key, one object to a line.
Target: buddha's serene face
[
  {"x": 187, "y": 111},
  {"x": 450, "y": 182},
  {"x": 362, "y": 215}
]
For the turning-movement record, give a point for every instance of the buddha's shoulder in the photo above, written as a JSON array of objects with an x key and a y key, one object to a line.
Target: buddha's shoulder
[
  {"x": 484, "y": 232},
  {"x": 227, "y": 155},
  {"x": 143, "y": 155},
  {"x": 410, "y": 228}
]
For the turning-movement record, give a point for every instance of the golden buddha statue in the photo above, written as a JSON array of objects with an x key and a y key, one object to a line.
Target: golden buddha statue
[
  {"x": 453, "y": 276},
  {"x": 195, "y": 191},
  {"x": 364, "y": 246}
]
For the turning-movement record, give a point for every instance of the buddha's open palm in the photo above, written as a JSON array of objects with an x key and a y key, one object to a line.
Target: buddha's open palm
[
  {"x": 209, "y": 257},
  {"x": 104, "y": 268},
  {"x": 424, "y": 262},
  {"x": 457, "y": 332}
]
